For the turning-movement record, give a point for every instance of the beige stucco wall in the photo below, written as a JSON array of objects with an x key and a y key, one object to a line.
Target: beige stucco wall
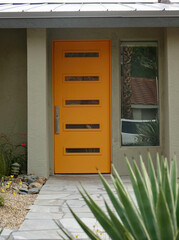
[
  {"x": 171, "y": 68},
  {"x": 38, "y": 147},
  {"x": 13, "y": 83},
  {"x": 115, "y": 35}
]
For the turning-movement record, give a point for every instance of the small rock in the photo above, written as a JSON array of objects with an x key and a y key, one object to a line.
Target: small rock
[
  {"x": 15, "y": 188},
  {"x": 17, "y": 180},
  {"x": 41, "y": 180},
  {"x": 25, "y": 179},
  {"x": 24, "y": 186},
  {"x": 32, "y": 179},
  {"x": 23, "y": 191},
  {"x": 35, "y": 185},
  {"x": 25, "y": 183},
  {"x": 34, "y": 191}
]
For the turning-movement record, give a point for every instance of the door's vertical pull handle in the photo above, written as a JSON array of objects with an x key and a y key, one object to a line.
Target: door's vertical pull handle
[{"x": 57, "y": 119}]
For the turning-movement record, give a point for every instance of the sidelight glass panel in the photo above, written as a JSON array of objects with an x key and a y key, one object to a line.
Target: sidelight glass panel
[
  {"x": 82, "y": 54},
  {"x": 82, "y": 78},
  {"x": 82, "y": 126},
  {"x": 82, "y": 102},
  {"x": 139, "y": 94},
  {"x": 82, "y": 150}
]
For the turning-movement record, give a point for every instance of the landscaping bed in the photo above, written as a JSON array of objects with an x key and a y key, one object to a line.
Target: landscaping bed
[
  {"x": 17, "y": 189},
  {"x": 19, "y": 194},
  {"x": 15, "y": 209}
]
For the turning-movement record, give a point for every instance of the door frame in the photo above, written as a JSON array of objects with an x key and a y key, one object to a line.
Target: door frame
[{"x": 110, "y": 100}]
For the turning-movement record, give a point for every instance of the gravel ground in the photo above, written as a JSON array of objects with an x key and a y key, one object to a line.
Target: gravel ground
[{"x": 15, "y": 209}]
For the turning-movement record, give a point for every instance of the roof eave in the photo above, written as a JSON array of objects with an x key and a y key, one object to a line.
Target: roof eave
[
  {"x": 89, "y": 19},
  {"x": 94, "y": 14}
]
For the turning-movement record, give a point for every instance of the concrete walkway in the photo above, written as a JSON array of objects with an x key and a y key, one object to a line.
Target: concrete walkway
[{"x": 51, "y": 204}]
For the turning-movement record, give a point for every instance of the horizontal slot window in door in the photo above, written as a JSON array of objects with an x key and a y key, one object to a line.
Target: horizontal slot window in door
[
  {"x": 81, "y": 78},
  {"x": 82, "y": 126},
  {"x": 82, "y": 102},
  {"x": 82, "y": 150},
  {"x": 82, "y": 54}
]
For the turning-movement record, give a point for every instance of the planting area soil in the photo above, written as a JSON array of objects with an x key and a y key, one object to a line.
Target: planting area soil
[{"x": 15, "y": 209}]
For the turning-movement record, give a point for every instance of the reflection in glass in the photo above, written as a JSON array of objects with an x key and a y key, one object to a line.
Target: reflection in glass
[
  {"x": 82, "y": 126},
  {"x": 139, "y": 94},
  {"x": 82, "y": 54},
  {"x": 81, "y": 102},
  {"x": 82, "y": 150},
  {"x": 81, "y": 78}
]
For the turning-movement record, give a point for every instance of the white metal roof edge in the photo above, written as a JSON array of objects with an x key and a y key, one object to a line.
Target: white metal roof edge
[
  {"x": 106, "y": 14},
  {"x": 76, "y": 1}
]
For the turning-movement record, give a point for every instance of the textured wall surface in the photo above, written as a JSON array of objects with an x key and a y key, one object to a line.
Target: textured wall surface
[
  {"x": 172, "y": 89},
  {"x": 38, "y": 157},
  {"x": 13, "y": 83}
]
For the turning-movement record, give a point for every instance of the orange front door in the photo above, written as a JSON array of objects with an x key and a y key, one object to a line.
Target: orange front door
[{"x": 81, "y": 74}]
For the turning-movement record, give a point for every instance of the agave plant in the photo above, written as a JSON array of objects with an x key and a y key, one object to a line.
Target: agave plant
[{"x": 156, "y": 214}]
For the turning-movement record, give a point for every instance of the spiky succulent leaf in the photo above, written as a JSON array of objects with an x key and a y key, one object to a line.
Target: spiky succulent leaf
[
  {"x": 164, "y": 218},
  {"x": 146, "y": 180},
  {"x": 133, "y": 216},
  {"x": 177, "y": 237},
  {"x": 118, "y": 184},
  {"x": 166, "y": 164},
  {"x": 173, "y": 178},
  {"x": 156, "y": 216},
  {"x": 177, "y": 207},
  {"x": 159, "y": 174},
  {"x": 153, "y": 179},
  {"x": 135, "y": 187},
  {"x": 116, "y": 203},
  {"x": 102, "y": 218},
  {"x": 64, "y": 231},
  {"x": 86, "y": 229},
  {"x": 122, "y": 230},
  {"x": 169, "y": 197},
  {"x": 163, "y": 172},
  {"x": 148, "y": 213},
  {"x": 117, "y": 178}
]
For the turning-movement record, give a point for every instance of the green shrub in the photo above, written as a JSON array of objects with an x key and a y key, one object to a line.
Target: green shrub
[
  {"x": 12, "y": 152},
  {"x": 156, "y": 215},
  {"x": 2, "y": 166},
  {"x": 1, "y": 201}
]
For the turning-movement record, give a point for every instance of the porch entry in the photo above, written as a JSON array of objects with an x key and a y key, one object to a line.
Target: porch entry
[{"x": 81, "y": 84}]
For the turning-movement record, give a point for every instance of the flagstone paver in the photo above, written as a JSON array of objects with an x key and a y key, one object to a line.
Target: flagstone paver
[{"x": 51, "y": 204}]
